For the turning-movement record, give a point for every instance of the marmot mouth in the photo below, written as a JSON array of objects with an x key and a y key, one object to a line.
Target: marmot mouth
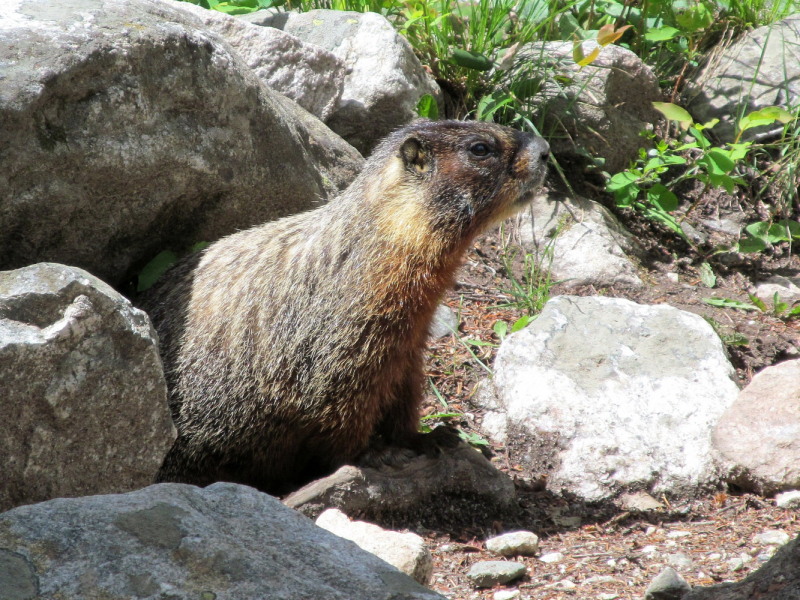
[{"x": 526, "y": 197}]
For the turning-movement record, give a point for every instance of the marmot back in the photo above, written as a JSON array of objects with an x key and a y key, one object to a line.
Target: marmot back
[{"x": 297, "y": 346}]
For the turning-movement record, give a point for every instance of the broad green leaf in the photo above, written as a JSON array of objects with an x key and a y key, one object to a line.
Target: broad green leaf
[
  {"x": 471, "y": 60},
  {"x": 722, "y": 159},
  {"x": 621, "y": 180},
  {"x": 501, "y": 328},
  {"x": 625, "y": 196},
  {"x": 673, "y": 112},
  {"x": 707, "y": 275},
  {"x": 725, "y": 303},
  {"x": 427, "y": 107},
  {"x": 793, "y": 228},
  {"x": 155, "y": 269},
  {"x": 199, "y": 246},
  {"x": 760, "y": 229},
  {"x": 662, "y": 198},
  {"x": 525, "y": 88},
  {"x": 776, "y": 233},
  {"x": 765, "y": 116},
  {"x": 695, "y": 18},
  {"x": 751, "y": 245},
  {"x": 521, "y": 323},
  {"x": 661, "y": 34},
  {"x": 795, "y": 312},
  {"x": 758, "y": 302}
]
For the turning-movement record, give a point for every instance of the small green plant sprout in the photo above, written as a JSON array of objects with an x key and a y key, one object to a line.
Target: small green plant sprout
[
  {"x": 427, "y": 107},
  {"x": 643, "y": 187},
  {"x": 237, "y": 7},
  {"x": 472, "y": 439},
  {"x": 731, "y": 339},
  {"x": 501, "y": 327},
  {"x": 761, "y": 235},
  {"x": 780, "y": 309},
  {"x": 606, "y": 35},
  {"x": 707, "y": 275}
]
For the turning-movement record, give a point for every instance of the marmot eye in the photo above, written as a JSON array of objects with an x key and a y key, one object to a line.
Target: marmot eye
[{"x": 480, "y": 149}]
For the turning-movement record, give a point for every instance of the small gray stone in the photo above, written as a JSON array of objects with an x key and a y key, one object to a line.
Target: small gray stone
[
  {"x": 491, "y": 572},
  {"x": 551, "y": 557},
  {"x": 669, "y": 585},
  {"x": 679, "y": 561},
  {"x": 640, "y": 501},
  {"x": 790, "y": 499},
  {"x": 772, "y": 537},
  {"x": 515, "y": 543},
  {"x": 444, "y": 322},
  {"x": 506, "y": 594},
  {"x": 737, "y": 563}
]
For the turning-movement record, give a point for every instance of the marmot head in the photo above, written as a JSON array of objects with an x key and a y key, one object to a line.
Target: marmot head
[{"x": 453, "y": 179}]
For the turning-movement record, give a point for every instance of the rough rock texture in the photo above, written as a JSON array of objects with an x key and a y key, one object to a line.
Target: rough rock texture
[
  {"x": 759, "y": 435},
  {"x": 605, "y": 107},
  {"x": 444, "y": 322},
  {"x": 404, "y": 551},
  {"x": 129, "y": 128},
  {"x": 488, "y": 573},
  {"x": 778, "y": 579},
  {"x": 668, "y": 585},
  {"x": 384, "y": 79},
  {"x": 178, "y": 541},
  {"x": 589, "y": 250},
  {"x": 626, "y": 394},
  {"x": 459, "y": 487},
  {"x": 83, "y": 401},
  {"x": 762, "y": 69},
  {"x": 787, "y": 288},
  {"x": 309, "y": 75},
  {"x": 516, "y": 543}
]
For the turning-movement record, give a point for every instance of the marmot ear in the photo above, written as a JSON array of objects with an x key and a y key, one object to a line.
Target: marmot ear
[{"x": 415, "y": 156}]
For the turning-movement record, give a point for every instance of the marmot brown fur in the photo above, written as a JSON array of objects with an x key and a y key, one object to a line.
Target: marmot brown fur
[{"x": 297, "y": 346}]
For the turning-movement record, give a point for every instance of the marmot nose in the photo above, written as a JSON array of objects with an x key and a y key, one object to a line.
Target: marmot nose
[{"x": 541, "y": 148}]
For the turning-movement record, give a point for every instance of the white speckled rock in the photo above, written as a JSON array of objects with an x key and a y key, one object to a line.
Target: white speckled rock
[
  {"x": 83, "y": 401},
  {"x": 790, "y": 499},
  {"x": 404, "y": 551},
  {"x": 225, "y": 541},
  {"x": 628, "y": 395}
]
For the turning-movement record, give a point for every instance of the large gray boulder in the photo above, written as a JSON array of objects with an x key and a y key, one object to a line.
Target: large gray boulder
[
  {"x": 607, "y": 396},
  {"x": 580, "y": 241},
  {"x": 178, "y": 541},
  {"x": 128, "y": 127},
  {"x": 761, "y": 69},
  {"x": 308, "y": 74},
  {"x": 758, "y": 437},
  {"x": 384, "y": 79},
  {"x": 602, "y": 110},
  {"x": 84, "y": 401}
]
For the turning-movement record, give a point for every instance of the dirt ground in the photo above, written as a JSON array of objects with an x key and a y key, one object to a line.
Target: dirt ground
[{"x": 607, "y": 552}]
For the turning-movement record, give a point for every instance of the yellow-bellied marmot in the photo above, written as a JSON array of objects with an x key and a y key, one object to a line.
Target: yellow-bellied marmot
[{"x": 297, "y": 346}]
